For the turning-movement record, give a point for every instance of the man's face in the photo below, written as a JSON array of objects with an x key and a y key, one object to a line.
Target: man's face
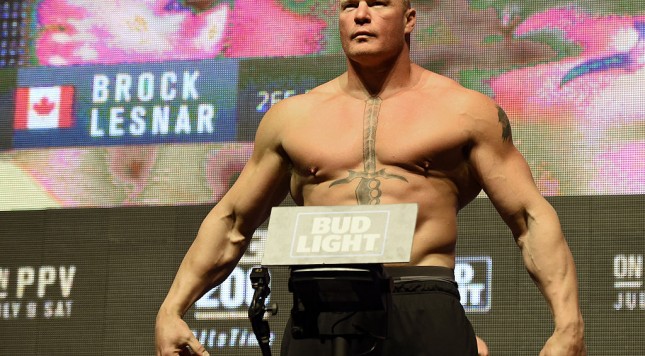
[{"x": 371, "y": 29}]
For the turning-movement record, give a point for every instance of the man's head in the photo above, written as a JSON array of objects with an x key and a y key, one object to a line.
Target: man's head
[{"x": 373, "y": 30}]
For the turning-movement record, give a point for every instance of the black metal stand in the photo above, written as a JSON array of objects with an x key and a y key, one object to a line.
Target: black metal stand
[
  {"x": 338, "y": 288},
  {"x": 340, "y": 346},
  {"x": 260, "y": 282}
]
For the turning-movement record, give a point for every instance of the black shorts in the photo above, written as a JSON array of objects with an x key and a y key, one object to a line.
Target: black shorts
[{"x": 425, "y": 318}]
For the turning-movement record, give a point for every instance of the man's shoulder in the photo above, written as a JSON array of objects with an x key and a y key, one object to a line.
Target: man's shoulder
[
  {"x": 450, "y": 90},
  {"x": 312, "y": 97},
  {"x": 475, "y": 111},
  {"x": 466, "y": 101},
  {"x": 296, "y": 106},
  {"x": 326, "y": 91}
]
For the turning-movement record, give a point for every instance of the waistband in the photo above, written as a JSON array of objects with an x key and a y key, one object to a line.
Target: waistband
[{"x": 420, "y": 273}]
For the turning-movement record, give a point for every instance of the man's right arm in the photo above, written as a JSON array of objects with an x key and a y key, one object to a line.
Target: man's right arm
[{"x": 225, "y": 234}]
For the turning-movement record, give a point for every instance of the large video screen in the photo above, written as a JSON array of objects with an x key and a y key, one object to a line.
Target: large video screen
[
  {"x": 123, "y": 122},
  {"x": 147, "y": 103}
]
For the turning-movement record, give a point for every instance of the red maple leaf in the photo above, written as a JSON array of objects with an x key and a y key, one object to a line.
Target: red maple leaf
[{"x": 44, "y": 107}]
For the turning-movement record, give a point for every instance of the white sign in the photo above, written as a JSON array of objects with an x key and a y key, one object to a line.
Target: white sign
[{"x": 340, "y": 234}]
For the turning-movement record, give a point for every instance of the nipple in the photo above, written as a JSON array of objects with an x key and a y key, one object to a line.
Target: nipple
[{"x": 426, "y": 165}]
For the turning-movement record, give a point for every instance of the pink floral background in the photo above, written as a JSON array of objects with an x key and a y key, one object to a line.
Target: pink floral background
[
  {"x": 85, "y": 31},
  {"x": 578, "y": 118}
]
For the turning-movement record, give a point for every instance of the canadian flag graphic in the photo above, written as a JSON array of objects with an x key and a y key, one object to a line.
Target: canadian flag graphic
[{"x": 44, "y": 107}]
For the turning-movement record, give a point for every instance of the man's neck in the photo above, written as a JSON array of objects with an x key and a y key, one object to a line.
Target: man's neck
[{"x": 378, "y": 80}]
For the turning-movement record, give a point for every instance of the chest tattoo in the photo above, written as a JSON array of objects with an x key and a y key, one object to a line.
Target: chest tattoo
[{"x": 368, "y": 191}]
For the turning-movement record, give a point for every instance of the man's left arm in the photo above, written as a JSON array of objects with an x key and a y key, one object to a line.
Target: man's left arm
[{"x": 506, "y": 178}]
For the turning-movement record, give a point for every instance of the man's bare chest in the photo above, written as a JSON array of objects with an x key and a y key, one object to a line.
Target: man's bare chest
[{"x": 373, "y": 134}]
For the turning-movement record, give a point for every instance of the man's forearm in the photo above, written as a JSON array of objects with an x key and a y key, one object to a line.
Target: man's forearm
[
  {"x": 549, "y": 262},
  {"x": 208, "y": 262}
]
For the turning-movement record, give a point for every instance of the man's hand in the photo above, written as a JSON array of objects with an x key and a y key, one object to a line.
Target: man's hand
[
  {"x": 482, "y": 348},
  {"x": 174, "y": 338},
  {"x": 564, "y": 344}
]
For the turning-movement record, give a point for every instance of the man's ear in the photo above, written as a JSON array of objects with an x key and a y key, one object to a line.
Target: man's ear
[{"x": 411, "y": 20}]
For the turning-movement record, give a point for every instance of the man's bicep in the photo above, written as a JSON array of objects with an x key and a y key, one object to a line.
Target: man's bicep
[
  {"x": 264, "y": 180},
  {"x": 509, "y": 185},
  {"x": 262, "y": 184},
  {"x": 502, "y": 171}
]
